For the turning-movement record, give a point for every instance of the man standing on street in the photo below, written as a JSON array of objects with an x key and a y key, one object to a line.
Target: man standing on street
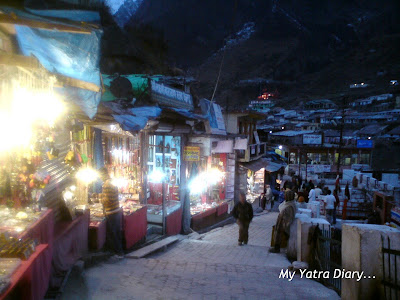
[
  {"x": 243, "y": 213},
  {"x": 113, "y": 214}
]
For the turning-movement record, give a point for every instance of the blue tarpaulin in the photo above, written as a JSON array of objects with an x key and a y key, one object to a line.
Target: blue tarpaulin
[
  {"x": 136, "y": 118},
  {"x": 73, "y": 15},
  {"x": 75, "y": 55},
  {"x": 186, "y": 113}
]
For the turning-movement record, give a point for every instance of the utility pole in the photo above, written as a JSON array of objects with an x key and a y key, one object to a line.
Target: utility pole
[{"x": 344, "y": 102}]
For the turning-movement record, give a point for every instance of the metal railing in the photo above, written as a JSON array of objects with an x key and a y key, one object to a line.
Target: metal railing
[
  {"x": 390, "y": 278},
  {"x": 329, "y": 254}
]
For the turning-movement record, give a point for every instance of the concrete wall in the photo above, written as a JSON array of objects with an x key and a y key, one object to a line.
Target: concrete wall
[
  {"x": 361, "y": 251},
  {"x": 231, "y": 121},
  {"x": 298, "y": 248}
]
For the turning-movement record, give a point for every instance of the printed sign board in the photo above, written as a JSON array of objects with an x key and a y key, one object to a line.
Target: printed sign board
[
  {"x": 168, "y": 96},
  {"x": 312, "y": 139},
  {"x": 191, "y": 153},
  {"x": 212, "y": 111},
  {"x": 364, "y": 144}
]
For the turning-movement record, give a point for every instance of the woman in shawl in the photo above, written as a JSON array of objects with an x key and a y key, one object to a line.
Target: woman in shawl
[{"x": 287, "y": 212}]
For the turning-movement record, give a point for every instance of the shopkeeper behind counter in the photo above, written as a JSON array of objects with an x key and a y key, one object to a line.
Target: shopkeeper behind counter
[{"x": 113, "y": 213}]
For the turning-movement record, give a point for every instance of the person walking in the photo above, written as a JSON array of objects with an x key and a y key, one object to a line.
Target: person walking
[
  {"x": 287, "y": 212},
  {"x": 329, "y": 206},
  {"x": 113, "y": 213},
  {"x": 311, "y": 195},
  {"x": 243, "y": 213},
  {"x": 318, "y": 191}
]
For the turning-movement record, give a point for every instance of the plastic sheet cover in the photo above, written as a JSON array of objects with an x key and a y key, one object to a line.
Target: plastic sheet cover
[
  {"x": 70, "y": 54},
  {"x": 138, "y": 117},
  {"x": 73, "y": 15}
]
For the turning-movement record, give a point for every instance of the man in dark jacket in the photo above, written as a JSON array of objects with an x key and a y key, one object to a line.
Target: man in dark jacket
[{"x": 243, "y": 213}]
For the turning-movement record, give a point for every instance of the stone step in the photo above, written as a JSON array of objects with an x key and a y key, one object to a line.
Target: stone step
[{"x": 152, "y": 248}]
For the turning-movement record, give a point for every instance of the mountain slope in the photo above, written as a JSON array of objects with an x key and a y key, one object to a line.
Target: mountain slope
[{"x": 303, "y": 48}]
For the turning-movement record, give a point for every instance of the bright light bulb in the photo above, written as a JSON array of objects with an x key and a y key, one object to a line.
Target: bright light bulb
[
  {"x": 87, "y": 175},
  {"x": 156, "y": 176}
]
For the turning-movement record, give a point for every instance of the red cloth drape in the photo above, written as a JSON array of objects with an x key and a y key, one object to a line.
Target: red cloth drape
[
  {"x": 174, "y": 222},
  {"x": 30, "y": 280},
  {"x": 70, "y": 244},
  {"x": 135, "y": 227},
  {"x": 97, "y": 235}
]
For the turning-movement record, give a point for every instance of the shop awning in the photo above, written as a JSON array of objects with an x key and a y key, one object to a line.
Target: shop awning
[
  {"x": 262, "y": 163},
  {"x": 273, "y": 167},
  {"x": 255, "y": 165}
]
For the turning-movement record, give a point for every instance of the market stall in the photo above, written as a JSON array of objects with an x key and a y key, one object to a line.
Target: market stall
[
  {"x": 118, "y": 151},
  {"x": 211, "y": 180}
]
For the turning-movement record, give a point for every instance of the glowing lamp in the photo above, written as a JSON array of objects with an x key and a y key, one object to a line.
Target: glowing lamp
[
  {"x": 87, "y": 175},
  {"x": 156, "y": 176}
]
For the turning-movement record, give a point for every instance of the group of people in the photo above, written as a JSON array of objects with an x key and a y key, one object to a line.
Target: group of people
[{"x": 291, "y": 198}]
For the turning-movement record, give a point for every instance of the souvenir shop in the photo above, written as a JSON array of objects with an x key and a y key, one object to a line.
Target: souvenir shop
[{"x": 211, "y": 172}]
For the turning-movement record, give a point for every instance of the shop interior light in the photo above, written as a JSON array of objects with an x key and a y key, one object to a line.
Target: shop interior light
[
  {"x": 197, "y": 186},
  {"x": 119, "y": 182},
  {"x": 34, "y": 106},
  {"x": 280, "y": 147},
  {"x": 19, "y": 115},
  {"x": 201, "y": 182},
  {"x": 156, "y": 176},
  {"x": 87, "y": 175},
  {"x": 68, "y": 195}
]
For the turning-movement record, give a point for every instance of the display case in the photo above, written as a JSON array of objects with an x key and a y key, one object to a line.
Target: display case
[
  {"x": 164, "y": 163},
  {"x": 154, "y": 212}
]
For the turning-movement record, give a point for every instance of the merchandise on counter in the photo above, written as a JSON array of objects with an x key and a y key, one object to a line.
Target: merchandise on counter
[
  {"x": 96, "y": 212},
  {"x": 17, "y": 220},
  {"x": 14, "y": 248},
  {"x": 130, "y": 207},
  {"x": 8, "y": 267}
]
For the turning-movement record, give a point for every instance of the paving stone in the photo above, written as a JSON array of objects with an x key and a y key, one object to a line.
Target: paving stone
[{"x": 212, "y": 267}]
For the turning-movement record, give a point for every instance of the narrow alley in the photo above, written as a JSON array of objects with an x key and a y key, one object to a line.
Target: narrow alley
[{"x": 207, "y": 266}]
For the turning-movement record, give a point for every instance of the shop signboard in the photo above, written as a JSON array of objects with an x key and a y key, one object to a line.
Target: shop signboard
[
  {"x": 191, "y": 153},
  {"x": 312, "y": 139},
  {"x": 212, "y": 111},
  {"x": 364, "y": 144},
  {"x": 168, "y": 96}
]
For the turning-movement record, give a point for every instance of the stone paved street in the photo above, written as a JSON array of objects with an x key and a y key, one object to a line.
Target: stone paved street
[{"x": 209, "y": 266}]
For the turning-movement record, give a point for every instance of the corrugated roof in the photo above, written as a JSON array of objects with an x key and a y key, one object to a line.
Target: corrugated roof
[
  {"x": 262, "y": 163},
  {"x": 395, "y": 131},
  {"x": 292, "y": 132}
]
